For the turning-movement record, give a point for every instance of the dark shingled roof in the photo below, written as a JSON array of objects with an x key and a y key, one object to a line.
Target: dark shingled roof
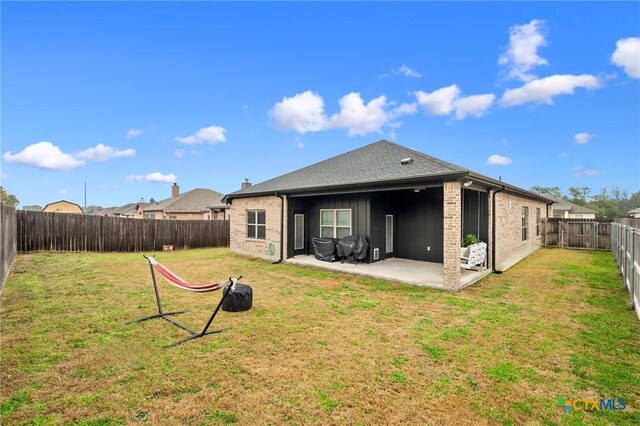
[{"x": 374, "y": 163}]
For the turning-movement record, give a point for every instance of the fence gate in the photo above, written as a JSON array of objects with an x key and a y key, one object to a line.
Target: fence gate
[{"x": 626, "y": 251}]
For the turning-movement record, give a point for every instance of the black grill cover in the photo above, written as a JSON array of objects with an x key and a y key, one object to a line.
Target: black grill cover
[
  {"x": 324, "y": 248},
  {"x": 239, "y": 300},
  {"x": 353, "y": 245}
]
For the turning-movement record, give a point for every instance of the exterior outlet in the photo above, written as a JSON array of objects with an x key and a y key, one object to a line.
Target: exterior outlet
[
  {"x": 428, "y": 248},
  {"x": 376, "y": 253}
]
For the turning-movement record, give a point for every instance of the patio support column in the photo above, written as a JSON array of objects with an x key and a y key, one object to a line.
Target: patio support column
[{"x": 452, "y": 234}]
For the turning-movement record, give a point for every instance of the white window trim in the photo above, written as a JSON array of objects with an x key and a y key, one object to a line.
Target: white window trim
[
  {"x": 524, "y": 219},
  {"x": 246, "y": 224},
  {"x": 335, "y": 221}
]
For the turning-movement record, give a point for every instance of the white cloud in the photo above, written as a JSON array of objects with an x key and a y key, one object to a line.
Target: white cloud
[
  {"x": 104, "y": 153},
  {"x": 211, "y": 135},
  {"x": 543, "y": 90},
  {"x": 299, "y": 143},
  {"x": 134, "y": 133},
  {"x": 358, "y": 118},
  {"x": 402, "y": 109},
  {"x": 403, "y": 69},
  {"x": 521, "y": 55},
  {"x": 303, "y": 113},
  {"x": 582, "y": 138},
  {"x": 448, "y": 100},
  {"x": 498, "y": 160},
  {"x": 438, "y": 102},
  {"x": 627, "y": 56},
  {"x": 155, "y": 177},
  {"x": 581, "y": 171},
  {"x": 44, "y": 155},
  {"x": 475, "y": 105},
  {"x": 179, "y": 153},
  {"x": 564, "y": 155},
  {"x": 63, "y": 190}
]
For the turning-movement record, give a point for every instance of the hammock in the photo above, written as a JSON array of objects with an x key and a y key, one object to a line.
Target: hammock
[
  {"x": 229, "y": 286},
  {"x": 176, "y": 281}
]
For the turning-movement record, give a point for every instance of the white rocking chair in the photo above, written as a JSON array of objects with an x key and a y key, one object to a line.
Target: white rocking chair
[{"x": 473, "y": 256}]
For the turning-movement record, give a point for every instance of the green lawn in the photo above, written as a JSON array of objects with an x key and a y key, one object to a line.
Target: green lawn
[{"x": 317, "y": 347}]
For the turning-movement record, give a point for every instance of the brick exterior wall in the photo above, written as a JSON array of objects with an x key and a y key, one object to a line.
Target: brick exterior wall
[
  {"x": 452, "y": 235},
  {"x": 254, "y": 247},
  {"x": 510, "y": 248}
]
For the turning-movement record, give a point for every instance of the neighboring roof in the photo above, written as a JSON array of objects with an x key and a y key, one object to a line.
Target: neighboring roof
[
  {"x": 126, "y": 210},
  {"x": 634, "y": 211},
  {"x": 196, "y": 200},
  {"x": 377, "y": 163},
  {"x": 564, "y": 205},
  {"x": 62, "y": 201},
  {"x": 107, "y": 211}
]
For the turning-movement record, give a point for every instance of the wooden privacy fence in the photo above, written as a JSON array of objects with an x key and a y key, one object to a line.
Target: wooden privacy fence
[
  {"x": 7, "y": 239},
  {"x": 626, "y": 250},
  {"x": 576, "y": 233},
  {"x": 38, "y": 231}
]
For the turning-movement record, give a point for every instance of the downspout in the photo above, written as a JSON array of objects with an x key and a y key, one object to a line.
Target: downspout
[
  {"x": 493, "y": 228},
  {"x": 281, "y": 228}
]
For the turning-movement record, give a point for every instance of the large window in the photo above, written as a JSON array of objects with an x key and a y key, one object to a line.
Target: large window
[
  {"x": 537, "y": 221},
  {"x": 525, "y": 222},
  {"x": 335, "y": 223},
  {"x": 256, "y": 224}
]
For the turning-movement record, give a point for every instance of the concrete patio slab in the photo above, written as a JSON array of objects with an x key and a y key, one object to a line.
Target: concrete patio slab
[{"x": 426, "y": 274}]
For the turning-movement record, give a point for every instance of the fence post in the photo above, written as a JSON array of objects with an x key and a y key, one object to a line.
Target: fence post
[{"x": 633, "y": 268}]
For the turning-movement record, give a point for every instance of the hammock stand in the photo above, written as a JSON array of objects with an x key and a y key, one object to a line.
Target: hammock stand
[{"x": 175, "y": 280}]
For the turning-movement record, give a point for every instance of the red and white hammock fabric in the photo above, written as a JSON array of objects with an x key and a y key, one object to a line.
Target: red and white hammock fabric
[{"x": 175, "y": 280}]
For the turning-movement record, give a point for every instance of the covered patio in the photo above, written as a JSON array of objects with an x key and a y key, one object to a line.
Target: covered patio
[{"x": 426, "y": 274}]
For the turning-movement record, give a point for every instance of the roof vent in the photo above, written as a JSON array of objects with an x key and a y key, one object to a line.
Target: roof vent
[{"x": 406, "y": 161}]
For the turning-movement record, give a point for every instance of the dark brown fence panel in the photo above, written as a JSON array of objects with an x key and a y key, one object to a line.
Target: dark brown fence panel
[
  {"x": 37, "y": 231},
  {"x": 7, "y": 239},
  {"x": 587, "y": 234}
]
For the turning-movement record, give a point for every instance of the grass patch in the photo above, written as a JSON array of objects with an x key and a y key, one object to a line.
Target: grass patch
[{"x": 317, "y": 347}]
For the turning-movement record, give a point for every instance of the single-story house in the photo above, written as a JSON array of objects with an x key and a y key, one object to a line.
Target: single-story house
[
  {"x": 564, "y": 209},
  {"x": 408, "y": 205},
  {"x": 635, "y": 213},
  {"x": 63, "y": 206},
  {"x": 197, "y": 204}
]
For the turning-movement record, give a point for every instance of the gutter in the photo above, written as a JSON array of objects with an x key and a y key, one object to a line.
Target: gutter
[
  {"x": 281, "y": 228},
  {"x": 493, "y": 228}
]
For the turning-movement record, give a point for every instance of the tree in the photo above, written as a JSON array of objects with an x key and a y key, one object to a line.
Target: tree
[
  {"x": 579, "y": 195},
  {"x": 554, "y": 191},
  {"x": 8, "y": 198},
  {"x": 33, "y": 207}
]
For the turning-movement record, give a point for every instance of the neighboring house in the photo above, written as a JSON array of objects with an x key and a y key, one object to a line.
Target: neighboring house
[
  {"x": 106, "y": 211},
  {"x": 197, "y": 204},
  {"x": 634, "y": 213},
  {"x": 567, "y": 210},
  {"x": 407, "y": 204},
  {"x": 63, "y": 206},
  {"x": 128, "y": 211}
]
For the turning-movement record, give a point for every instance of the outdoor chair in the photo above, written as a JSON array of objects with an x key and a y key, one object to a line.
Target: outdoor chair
[{"x": 474, "y": 255}]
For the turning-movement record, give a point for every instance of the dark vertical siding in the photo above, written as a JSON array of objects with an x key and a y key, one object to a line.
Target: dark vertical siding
[
  {"x": 358, "y": 203},
  {"x": 475, "y": 214}
]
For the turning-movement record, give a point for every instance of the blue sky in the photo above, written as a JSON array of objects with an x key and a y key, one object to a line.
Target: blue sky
[{"x": 131, "y": 97}]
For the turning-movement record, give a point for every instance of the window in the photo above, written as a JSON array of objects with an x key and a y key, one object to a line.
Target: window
[
  {"x": 537, "y": 221},
  {"x": 149, "y": 215},
  {"x": 172, "y": 217},
  {"x": 256, "y": 224},
  {"x": 335, "y": 223},
  {"x": 525, "y": 222}
]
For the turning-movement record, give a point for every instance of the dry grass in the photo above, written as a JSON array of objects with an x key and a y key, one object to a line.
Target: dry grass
[{"x": 317, "y": 347}]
